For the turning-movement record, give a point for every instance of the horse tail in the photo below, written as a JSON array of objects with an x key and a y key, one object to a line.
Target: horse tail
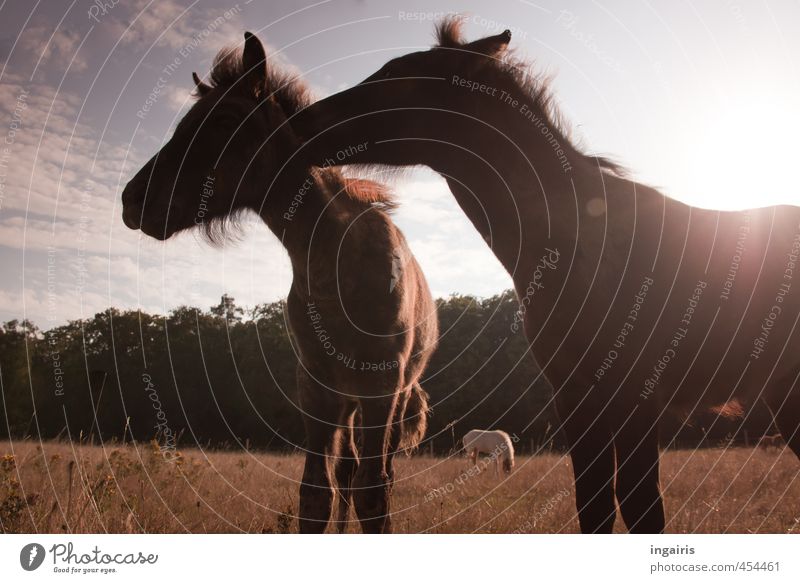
[{"x": 415, "y": 419}]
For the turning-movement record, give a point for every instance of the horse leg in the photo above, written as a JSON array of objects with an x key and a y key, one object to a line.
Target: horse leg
[
  {"x": 395, "y": 435},
  {"x": 346, "y": 465},
  {"x": 785, "y": 407},
  {"x": 592, "y": 453},
  {"x": 372, "y": 483},
  {"x": 320, "y": 415},
  {"x": 637, "y": 488}
]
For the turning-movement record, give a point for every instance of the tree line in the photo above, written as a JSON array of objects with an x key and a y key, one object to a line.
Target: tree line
[{"x": 225, "y": 377}]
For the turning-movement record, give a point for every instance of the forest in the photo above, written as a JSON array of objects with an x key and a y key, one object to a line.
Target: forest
[{"x": 225, "y": 378}]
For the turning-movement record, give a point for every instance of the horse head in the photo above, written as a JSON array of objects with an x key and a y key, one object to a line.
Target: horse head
[{"x": 214, "y": 164}]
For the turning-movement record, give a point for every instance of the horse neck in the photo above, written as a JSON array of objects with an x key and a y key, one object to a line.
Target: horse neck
[
  {"x": 307, "y": 221},
  {"x": 519, "y": 204}
]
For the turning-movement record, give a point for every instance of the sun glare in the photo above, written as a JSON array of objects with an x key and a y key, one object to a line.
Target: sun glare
[{"x": 743, "y": 154}]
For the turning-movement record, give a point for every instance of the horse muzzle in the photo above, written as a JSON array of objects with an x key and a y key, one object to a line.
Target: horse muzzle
[{"x": 132, "y": 217}]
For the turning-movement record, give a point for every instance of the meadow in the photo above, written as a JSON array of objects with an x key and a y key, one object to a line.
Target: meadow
[{"x": 61, "y": 487}]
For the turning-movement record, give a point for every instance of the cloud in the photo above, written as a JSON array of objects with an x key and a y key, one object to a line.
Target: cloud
[
  {"x": 59, "y": 197},
  {"x": 179, "y": 98},
  {"x": 52, "y": 160},
  {"x": 49, "y": 48},
  {"x": 127, "y": 270},
  {"x": 179, "y": 26},
  {"x": 452, "y": 254}
]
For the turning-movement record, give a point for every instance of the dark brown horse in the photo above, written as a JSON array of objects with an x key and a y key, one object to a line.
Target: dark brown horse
[
  {"x": 359, "y": 309},
  {"x": 634, "y": 303}
]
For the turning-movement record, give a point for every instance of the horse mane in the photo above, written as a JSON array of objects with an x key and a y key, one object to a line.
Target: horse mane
[
  {"x": 218, "y": 230},
  {"x": 367, "y": 193},
  {"x": 284, "y": 87},
  {"x": 448, "y": 31},
  {"x": 535, "y": 85},
  {"x": 292, "y": 95}
]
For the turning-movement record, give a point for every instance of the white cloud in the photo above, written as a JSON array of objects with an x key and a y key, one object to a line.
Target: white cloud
[
  {"x": 60, "y": 189},
  {"x": 52, "y": 161},
  {"x": 450, "y": 251},
  {"x": 174, "y": 24},
  {"x": 50, "y": 49},
  {"x": 179, "y": 98}
]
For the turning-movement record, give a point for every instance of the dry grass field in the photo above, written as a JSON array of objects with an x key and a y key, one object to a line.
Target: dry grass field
[{"x": 59, "y": 487}]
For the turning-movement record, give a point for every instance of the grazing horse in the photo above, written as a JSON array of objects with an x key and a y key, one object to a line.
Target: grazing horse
[
  {"x": 769, "y": 441},
  {"x": 497, "y": 444},
  {"x": 362, "y": 328},
  {"x": 633, "y": 302}
]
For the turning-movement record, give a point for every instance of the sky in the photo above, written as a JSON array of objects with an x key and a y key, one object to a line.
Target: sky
[{"x": 697, "y": 99}]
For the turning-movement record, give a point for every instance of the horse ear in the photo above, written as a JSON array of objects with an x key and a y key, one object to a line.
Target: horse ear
[
  {"x": 201, "y": 88},
  {"x": 254, "y": 60},
  {"x": 491, "y": 46}
]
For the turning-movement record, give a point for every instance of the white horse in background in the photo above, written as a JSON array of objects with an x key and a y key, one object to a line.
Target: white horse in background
[{"x": 497, "y": 444}]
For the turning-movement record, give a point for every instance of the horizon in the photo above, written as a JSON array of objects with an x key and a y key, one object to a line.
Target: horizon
[{"x": 247, "y": 310}]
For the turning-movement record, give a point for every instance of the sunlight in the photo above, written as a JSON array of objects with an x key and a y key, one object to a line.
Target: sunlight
[{"x": 743, "y": 154}]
